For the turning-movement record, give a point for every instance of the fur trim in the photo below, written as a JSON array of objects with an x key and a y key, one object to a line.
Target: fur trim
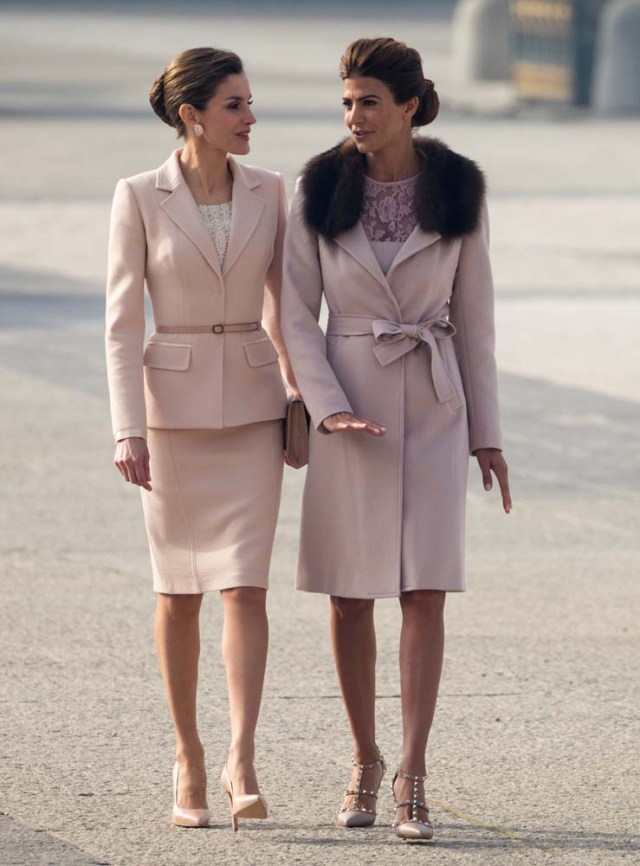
[{"x": 450, "y": 191}]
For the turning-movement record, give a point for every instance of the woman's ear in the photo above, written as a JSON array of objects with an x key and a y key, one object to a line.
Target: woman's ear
[
  {"x": 411, "y": 107},
  {"x": 187, "y": 114}
]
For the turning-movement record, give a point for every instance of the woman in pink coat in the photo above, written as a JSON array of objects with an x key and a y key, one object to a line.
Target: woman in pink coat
[
  {"x": 392, "y": 231},
  {"x": 197, "y": 412}
]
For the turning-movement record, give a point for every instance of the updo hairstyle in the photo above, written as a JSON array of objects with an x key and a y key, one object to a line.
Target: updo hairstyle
[
  {"x": 399, "y": 67},
  {"x": 192, "y": 77}
]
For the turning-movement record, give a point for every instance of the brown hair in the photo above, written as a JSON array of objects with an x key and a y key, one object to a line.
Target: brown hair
[
  {"x": 399, "y": 67},
  {"x": 192, "y": 77}
]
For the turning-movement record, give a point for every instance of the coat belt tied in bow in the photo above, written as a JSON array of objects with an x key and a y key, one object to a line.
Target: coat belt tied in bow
[{"x": 395, "y": 339}]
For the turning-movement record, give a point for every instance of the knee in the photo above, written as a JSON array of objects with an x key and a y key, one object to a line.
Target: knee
[
  {"x": 424, "y": 604},
  {"x": 249, "y": 599},
  {"x": 179, "y": 608},
  {"x": 351, "y": 609}
]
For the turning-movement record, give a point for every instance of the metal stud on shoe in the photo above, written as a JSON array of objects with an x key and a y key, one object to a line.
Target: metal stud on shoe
[
  {"x": 358, "y": 815},
  {"x": 413, "y": 829}
]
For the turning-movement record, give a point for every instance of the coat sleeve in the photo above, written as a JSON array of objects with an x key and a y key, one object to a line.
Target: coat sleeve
[
  {"x": 471, "y": 313},
  {"x": 125, "y": 323},
  {"x": 301, "y": 301}
]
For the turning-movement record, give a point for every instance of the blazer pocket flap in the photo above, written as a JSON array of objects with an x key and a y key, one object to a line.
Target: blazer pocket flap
[
  {"x": 167, "y": 356},
  {"x": 260, "y": 352}
]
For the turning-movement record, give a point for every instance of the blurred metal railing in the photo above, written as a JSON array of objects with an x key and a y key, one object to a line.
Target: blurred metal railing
[{"x": 553, "y": 48}]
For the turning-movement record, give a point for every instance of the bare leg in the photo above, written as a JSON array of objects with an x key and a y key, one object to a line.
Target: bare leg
[
  {"x": 245, "y": 639},
  {"x": 177, "y": 631},
  {"x": 354, "y": 649},
  {"x": 421, "y": 651}
]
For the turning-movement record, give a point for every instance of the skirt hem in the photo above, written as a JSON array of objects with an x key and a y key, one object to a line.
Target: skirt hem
[{"x": 215, "y": 586}]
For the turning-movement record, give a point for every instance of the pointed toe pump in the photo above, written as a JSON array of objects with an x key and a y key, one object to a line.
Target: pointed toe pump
[
  {"x": 242, "y": 805},
  {"x": 414, "y": 828},
  {"x": 186, "y": 817},
  {"x": 357, "y": 815}
]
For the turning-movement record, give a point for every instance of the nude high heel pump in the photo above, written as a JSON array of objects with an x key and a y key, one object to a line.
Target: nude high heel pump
[
  {"x": 242, "y": 805},
  {"x": 186, "y": 817}
]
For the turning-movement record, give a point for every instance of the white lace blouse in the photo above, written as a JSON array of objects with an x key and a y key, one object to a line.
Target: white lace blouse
[
  {"x": 388, "y": 216},
  {"x": 217, "y": 218}
]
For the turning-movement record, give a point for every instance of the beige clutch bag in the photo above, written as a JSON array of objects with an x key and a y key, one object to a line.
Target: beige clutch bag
[{"x": 296, "y": 433}]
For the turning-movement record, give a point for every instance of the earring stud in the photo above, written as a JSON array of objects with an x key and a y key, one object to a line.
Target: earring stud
[{"x": 197, "y": 128}]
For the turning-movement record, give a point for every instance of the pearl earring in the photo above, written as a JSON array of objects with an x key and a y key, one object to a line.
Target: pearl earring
[{"x": 197, "y": 128}]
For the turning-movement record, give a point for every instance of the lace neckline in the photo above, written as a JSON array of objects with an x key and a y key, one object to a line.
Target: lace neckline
[
  {"x": 389, "y": 209},
  {"x": 217, "y": 219}
]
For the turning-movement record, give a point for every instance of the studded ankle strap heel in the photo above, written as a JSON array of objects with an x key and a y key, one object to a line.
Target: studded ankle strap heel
[
  {"x": 358, "y": 815},
  {"x": 413, "y": 828}
]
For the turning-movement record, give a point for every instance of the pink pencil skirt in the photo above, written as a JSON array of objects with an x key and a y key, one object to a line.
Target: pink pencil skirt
[{"x": 211, "y": 515}]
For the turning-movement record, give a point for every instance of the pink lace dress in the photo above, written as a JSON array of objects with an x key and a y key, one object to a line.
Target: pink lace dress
[{"x": 388, "y": 216}]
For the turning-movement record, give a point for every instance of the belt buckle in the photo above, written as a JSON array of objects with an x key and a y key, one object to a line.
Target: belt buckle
[{"x": 217, "y": 329}]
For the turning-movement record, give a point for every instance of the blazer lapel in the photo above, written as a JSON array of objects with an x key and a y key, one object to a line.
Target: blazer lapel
[
  {"x": 181, "y": 207},
  {"x": 246, "y": 210},
  {"x": 418, "y": 240}
]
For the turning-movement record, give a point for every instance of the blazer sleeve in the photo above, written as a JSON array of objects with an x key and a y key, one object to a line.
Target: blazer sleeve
[
  {"x": 125, "y": 322},
  {"x": 274, "y": 272},
  {"x": 301, "y": 301},
  {"x": 272, "y": 306},
  {"x": 472, "y": 314}
]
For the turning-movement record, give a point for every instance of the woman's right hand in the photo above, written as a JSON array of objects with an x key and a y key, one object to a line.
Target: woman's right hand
[
  {"x": 132, "y": 460},
  {"x": 348, "y": 421}
]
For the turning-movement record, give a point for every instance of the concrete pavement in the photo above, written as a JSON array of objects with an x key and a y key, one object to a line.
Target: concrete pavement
[{"x": 531, "y": 760}]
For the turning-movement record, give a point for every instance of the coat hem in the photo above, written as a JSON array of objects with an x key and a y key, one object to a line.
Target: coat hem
[{"x": 380, "y": 595}]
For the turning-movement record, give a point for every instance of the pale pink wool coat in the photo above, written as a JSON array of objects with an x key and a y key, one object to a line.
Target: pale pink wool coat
[{"x": 412, "y": 350}]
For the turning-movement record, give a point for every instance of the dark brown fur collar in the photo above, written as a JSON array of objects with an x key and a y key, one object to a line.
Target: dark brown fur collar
[{"x": 450, "y": 190}]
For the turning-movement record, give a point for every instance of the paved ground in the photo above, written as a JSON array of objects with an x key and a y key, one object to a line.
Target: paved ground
[{"x": 532, "y": 756}]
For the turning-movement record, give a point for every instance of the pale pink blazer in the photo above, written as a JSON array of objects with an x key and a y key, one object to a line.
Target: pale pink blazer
[{"x": 158, "y": 238}]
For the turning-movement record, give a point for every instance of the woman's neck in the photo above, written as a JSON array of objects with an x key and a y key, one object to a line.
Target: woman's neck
[
  {"x": 207, "y": 174},
  {"x": 397, "y": 161}
]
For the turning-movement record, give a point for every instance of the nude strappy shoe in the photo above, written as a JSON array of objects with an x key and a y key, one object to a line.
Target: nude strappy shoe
[
  {"x": 242, "y": 805},
  {"x": 414, "y": 828},
  {"x": 357, "y": 815},
  {"x": 186, "y": 817}
]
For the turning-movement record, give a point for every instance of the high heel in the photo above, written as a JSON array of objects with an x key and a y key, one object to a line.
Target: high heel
[
  {"x": 413, "y": 829},
  {"x": 186, "y": 817},
  {"x": 242, "y": 805},
  {"x": 357, "y": 815}
]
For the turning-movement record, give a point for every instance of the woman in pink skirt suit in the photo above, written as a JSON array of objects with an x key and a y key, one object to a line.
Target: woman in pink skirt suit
[
  {"x": 392, "y": 231},
  {"x": 197, "y": 411}
]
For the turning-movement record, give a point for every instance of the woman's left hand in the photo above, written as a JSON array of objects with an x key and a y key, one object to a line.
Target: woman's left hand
[{"x": 491, "y": 460}]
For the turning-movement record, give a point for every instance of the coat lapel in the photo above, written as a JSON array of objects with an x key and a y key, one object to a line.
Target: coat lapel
[
  {"x": 356, "y": 244},
  {"x": 417, "y": 241},
  {"x": 246, "y": 210},
  {"x": 180, "y": 206}
]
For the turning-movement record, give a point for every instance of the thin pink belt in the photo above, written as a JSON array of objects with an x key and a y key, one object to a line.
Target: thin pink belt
[{"x": 233, "y": 328}]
